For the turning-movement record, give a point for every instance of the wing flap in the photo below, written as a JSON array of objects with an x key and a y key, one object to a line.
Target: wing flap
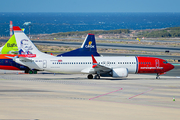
[
  {"x": 99, "y": 68},
  {"x": 96, "y": 68}
]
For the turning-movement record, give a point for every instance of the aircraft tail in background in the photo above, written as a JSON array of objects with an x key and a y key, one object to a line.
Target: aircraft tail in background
[
  {"x": 10, "y": 47},
  {"x": 88, "y": 48},
  {"x": 24, "y": 44}
]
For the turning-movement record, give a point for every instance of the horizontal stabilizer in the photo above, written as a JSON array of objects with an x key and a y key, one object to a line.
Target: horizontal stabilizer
[{"x": 25, "y": 59}]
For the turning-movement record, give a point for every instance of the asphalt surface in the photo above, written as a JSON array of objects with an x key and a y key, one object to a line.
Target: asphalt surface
[{"x": 74, "y": 97}]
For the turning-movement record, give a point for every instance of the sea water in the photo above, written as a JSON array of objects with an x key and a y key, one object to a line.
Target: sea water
[{"x": 47, "y": 23}]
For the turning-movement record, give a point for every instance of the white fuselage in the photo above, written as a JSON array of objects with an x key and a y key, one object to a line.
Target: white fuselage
[{"x": 79, "y": 64}]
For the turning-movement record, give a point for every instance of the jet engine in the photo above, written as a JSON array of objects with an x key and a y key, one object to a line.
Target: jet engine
[{"x": 119, "y": 72}]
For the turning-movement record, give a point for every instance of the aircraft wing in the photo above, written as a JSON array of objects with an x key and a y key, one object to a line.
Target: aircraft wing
[
  {"x": 99, "y": 68},
  {"x": 96, "y": 68}
]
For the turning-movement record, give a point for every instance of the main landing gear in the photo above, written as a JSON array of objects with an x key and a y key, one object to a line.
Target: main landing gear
[
  {"x": 97, "y": 76},
  {"x": 157, "y": 77},
  {"x": 30, "y": 71},
  {"x": 90, "y": 76}
]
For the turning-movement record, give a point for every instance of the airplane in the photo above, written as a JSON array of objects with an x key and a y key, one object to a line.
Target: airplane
[
  {"x": 88, "y": 48},
  {"x": 6, "y": 63},
  {"x": 10, "y": 49},
  {"x": 98, "y": 66},
  {"x": 1, "y": 48}
]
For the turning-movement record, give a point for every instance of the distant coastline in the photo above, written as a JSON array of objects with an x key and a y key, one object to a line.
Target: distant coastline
[{"x": 173, "y": 32}]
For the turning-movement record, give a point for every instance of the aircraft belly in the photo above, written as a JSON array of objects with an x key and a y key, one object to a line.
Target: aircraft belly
[
  {"x": 66, "y": 68},
  {"x": 131, "y": 69}
]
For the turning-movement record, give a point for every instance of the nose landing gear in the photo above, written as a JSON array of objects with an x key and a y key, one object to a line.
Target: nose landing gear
[
  {"x": 157, "y": 77},
  {"x": 158, "y": 74}
]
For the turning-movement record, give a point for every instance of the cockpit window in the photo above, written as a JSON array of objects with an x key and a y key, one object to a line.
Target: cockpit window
[{"x": 165, "y": 62}]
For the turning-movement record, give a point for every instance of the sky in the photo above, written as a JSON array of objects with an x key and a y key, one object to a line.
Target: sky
[{"x": 89, "y": 5}]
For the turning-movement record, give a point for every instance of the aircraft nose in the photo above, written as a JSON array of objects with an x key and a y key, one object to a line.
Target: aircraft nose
[{"x": 171, "y": 66}]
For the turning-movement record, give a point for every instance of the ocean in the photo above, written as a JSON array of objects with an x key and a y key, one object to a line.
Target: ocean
[{"x": 47, "y": 23}]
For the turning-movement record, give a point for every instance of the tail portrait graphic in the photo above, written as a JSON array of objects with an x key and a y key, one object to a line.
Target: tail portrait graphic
[{"x": 25, "y": 48}]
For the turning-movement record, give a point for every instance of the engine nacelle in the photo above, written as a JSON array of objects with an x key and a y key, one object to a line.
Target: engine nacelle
[{"x": 119, "y": 72}]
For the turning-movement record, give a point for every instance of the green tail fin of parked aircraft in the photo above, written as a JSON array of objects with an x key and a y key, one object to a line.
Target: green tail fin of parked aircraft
[{"x": 10, "y": 47}]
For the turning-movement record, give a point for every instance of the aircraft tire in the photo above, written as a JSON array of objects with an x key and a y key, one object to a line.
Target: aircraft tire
[
  {"x": 90, "y": 76},
  {"x": 34, "y": 72},
  {"x": 26, "y": 71},
  {"x": 30, "y": 71},
  {"x": 97, "y": 77}
]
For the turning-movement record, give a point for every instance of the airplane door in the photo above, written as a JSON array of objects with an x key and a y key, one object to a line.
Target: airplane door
[
  {"x": 44, "y": 63},
  {"x": 157, "y": 63}
]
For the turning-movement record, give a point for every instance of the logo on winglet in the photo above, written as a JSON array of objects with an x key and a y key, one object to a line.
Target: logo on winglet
[
  {"x": 89, "y": 45},
  {"x": 11, "y": 45},
  {"x": 90, "y": 42}
]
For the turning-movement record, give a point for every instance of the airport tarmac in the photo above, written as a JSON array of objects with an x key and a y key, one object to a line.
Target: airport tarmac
[{"x": 46, "y": 96}]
